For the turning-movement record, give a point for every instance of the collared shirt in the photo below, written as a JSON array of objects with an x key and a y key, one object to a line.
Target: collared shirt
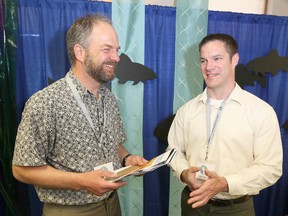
[
  {"x": 54, "y": 131},
  {"x": 246, "y": 146}
]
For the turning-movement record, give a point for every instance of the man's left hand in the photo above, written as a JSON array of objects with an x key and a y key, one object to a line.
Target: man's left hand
[{"x": 212, "y": 186}]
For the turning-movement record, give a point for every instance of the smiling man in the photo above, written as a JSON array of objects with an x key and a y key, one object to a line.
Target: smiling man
[
  {"x": 73, "y": 125},
  {"x": 228, "y": 139}
]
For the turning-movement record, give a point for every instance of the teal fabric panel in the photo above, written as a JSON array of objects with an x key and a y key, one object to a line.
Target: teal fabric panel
[
  {"x": 128, "y": 17},
  {"x": 191, "y": 27}
]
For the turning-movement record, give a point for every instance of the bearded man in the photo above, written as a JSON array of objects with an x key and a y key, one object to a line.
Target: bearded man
[{"x": 73, "y": 125}]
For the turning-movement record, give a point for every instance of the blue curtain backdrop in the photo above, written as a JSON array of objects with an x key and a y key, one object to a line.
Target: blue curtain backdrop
[
  {"x": 42, "y": 55},
  {"x": 160, "y": 24}
]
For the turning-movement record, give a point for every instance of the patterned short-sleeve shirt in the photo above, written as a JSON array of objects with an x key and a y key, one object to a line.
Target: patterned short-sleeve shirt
[{"x": 54, "y": 131}]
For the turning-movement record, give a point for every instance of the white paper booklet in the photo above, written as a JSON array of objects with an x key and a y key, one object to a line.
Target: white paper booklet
[{"x": 153, "y": 164}]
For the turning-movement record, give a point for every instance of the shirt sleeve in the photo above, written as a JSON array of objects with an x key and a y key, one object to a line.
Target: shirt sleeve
[
  {"x": 176, "y": 140},
  {"x": 266, "y": 167},
  {"x": 31, "y": 146}
]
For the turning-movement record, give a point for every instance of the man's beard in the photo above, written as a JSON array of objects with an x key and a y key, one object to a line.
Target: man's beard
[{"x": 97, "y": 72}]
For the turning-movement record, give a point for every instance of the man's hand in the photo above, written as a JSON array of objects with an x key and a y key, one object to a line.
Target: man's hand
[
  {"x": 95, "y": 182},
  {"x": 131, "y": 160},
  {"x": 214, "y": 185},
  {"x": 135, "y": 160},
  {"x": 49, "y": 177},
  {"x": 188, "y": 177}
]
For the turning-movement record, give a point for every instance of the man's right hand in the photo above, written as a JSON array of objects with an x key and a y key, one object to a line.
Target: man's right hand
[
  {"x": 188, "y": 177},
  {"x": 49, "y": 177},
  {"x": 94, "y": 182}
]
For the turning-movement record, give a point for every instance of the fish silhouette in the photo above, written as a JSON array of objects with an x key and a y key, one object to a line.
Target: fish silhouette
[
  {"x": 257, "y": 69},
  {"x": 162, "y": 129},
  {"x": 270, "y": 63},
  {"x": 285, "y": 126},
  {"x": 127, "y": 70},
  {"x": 244, "y": 77}
]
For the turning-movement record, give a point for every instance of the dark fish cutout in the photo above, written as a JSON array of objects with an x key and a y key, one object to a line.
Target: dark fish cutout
[
  {"x": 127, "y": 70},
  {"x": 244, "y": 77},
  {"x": 257, "y": 69},
  {"x": 270, "y": 63},
  {"x": 162, "y": 129},
  {"x": 285, "y": 126}
]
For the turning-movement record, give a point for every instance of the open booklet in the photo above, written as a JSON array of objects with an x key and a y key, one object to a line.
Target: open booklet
[{"x": 153, "y": 164}]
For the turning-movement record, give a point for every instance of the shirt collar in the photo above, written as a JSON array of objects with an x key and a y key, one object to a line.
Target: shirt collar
[
  {"x": 236, "y": 95},
  {"x": 82, "y": 89}
]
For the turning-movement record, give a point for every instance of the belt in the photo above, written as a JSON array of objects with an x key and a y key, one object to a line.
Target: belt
[{"x": 220, "y": 202}]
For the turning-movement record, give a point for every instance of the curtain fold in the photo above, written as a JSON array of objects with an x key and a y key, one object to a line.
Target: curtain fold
[{"x": 160, "y": 26}]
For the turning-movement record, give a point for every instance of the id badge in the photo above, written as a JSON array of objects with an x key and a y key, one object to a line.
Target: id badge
[
  {"x": 200, "y": 175},
  {"x": 107, "y": 167}
]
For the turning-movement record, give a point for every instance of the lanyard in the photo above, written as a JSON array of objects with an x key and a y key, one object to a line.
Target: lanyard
[
  {"x": 210, "y": 133},
  {"x": 84, "y": 109}
]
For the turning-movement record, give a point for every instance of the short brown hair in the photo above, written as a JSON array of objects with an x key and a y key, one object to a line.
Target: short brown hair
[
  {"x": 80, "y": 31},
  {"x": 228, "y": 40}
]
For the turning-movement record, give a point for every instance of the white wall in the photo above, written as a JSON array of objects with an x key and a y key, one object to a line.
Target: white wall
[
  {"x": 240, "y": 6},
  {"x": 275, "y": 7},
  {"x": 161, "y": 2},
  {"x": 278, "y": 7}
]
